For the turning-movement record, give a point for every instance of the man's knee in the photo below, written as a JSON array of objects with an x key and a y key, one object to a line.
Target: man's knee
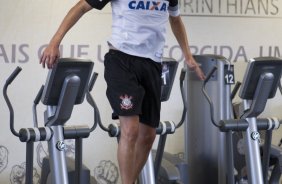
[
  {"x": 147, "y": 136},
  {"x": 129, "y": 129},
  {"x": 130, "y": 135}
]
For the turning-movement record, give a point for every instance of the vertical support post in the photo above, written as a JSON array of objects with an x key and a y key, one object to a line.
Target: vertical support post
[
  {"x": 147, "y": 174},
  {"x": 59, "y": 173},
  {"x": 230, "y": 158},
  {"x": 78, "y": 160},
  {"x": 29, "y": 163},
  {"x": 266, "y": 155},
  {"x": 252, "y": 152},
  {"x": 159, "y": 155}
]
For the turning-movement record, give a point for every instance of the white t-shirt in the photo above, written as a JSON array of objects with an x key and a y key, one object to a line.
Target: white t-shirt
[{"x": 139, "y": 26}]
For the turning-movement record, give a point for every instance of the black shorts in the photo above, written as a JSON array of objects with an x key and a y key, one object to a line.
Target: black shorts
[{"x": 133, "y": 86}]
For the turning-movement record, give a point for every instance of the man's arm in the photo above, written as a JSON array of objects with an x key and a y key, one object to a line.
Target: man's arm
[
  {"x": 52, "y": 53},
  {"x": 179, "y": 32}
]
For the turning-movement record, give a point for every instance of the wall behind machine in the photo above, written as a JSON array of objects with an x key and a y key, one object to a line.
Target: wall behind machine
[{"x": 238, "y": 30}]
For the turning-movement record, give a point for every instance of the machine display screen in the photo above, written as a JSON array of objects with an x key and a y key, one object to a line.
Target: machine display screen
[
  {"x": 255, "y": 69},
  {"x": 56, "y": 77}
]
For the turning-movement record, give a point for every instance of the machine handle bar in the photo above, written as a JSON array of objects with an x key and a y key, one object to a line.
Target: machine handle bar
[
  {"x": 91, "y": 101},
  {"x": 97, "y": 119},
  {"x": 13, "y": 75},
  {"x": 280, "y": 87},
  {"x": 207, "y": 96},
  {"x": 5, "y": 88},
  {"x": 93, "y": 80},
  {"x": 38, "y": 96},
  {"x": 35, "y": 103},
  {"x": 209, "y": 75},
  {"x": 235, "y": 90},
  {"x": 181, "y": 79}
]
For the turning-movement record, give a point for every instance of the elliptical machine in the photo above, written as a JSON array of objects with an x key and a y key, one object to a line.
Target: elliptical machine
[
  {"x": 66, "y": 86},
  {"x": 260, "y": 83}
]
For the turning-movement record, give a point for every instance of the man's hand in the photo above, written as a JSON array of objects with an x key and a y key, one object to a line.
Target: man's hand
[
  {"x": 194, "y": 66},
  {"x": 50, "y": 56},
  {"x": 52, "y": 53}
]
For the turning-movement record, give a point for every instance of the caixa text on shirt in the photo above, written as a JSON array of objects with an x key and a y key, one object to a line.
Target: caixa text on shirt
[{"x": 148, "y": 5}]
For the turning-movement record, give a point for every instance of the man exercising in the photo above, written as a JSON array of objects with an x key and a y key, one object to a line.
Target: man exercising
[{"x": 132, "y": 69}]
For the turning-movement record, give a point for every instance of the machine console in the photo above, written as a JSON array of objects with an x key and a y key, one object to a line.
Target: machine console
[
  {"x": 55, "y": 79},
  {"x": 257, "y": 67}
]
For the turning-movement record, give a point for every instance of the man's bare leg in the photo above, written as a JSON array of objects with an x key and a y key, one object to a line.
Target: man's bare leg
[
  {"x": 145, "y": 140},
  {"x": 134, "y": 147},
  {"x": 126, "y": 148}
]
